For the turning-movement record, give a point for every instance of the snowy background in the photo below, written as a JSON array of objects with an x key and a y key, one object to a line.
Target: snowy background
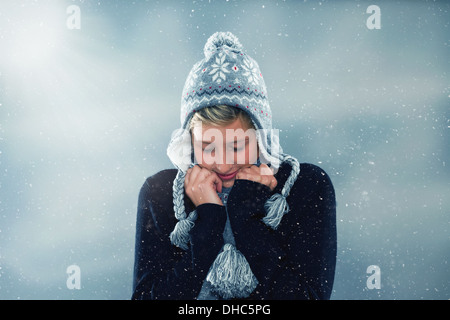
[{"x": 86, "y": 115}]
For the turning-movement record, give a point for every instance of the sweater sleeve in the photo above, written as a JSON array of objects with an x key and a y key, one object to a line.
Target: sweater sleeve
[
  {"x": 297, "y": 260},
  {"x": 161, "y": 270}
]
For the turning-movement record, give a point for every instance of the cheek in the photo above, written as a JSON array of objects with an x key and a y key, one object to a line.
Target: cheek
[
  {"x": 247, "y": 156},
  {"x": 203, "y": 160},
  {"x": 252, "y": 152},
  {"x": 198, "y": 154}
]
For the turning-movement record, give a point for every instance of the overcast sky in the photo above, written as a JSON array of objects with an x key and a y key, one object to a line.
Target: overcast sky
[{"x": 86, "y": 115}]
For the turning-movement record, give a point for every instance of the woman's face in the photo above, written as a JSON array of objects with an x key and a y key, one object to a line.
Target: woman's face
[{"x": 225, "y": 149}]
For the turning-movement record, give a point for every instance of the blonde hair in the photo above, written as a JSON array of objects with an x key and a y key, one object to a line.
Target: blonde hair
[{"x": 220, "y": 115}]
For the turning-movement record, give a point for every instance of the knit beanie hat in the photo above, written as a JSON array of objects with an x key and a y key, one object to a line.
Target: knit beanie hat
[{"x": 227, "y": 76}]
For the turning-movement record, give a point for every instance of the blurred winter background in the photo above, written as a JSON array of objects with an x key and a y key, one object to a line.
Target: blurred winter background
[{"x": 86, "y": 115}]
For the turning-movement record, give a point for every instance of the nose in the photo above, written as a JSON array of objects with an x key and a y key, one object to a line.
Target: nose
[{"x": 225, "y": 166}]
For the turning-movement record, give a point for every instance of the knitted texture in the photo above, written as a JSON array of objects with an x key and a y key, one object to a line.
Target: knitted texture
[
  {"x": 230, "y": 275},
  {"x": 227, "y": 76},
  {"x": 277, "y": 205}
]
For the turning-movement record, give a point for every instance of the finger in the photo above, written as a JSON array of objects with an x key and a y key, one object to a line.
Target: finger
[
  {"x": 273, "y": 183},
  {"x": 202, "y": 174},
  {"x": 191, "y": 178},
  {"x": 190, "y": 170},
  {"x": 217, "y": 182},
  {"x": 267, "y": 173},
  {"x": 243, "y": 172},
  {"x": 249, "y": 175},
  {"x": 205, "y": 177},
  {"x": 195, "y": 171},
  {"x": 186, "y": 177},
  {"x": 265, "y": 170}
]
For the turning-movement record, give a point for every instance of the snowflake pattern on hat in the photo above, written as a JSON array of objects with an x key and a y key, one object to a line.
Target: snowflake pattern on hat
[
  {"x": 251, "y": 72},
  {"x": 219, "y": 69},
  {"x": 227, "y": 76}
]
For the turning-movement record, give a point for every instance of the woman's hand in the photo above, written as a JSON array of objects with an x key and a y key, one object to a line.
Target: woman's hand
[
  {"x": 262, "y": 174},
  {"x": 202, "y": 185}
]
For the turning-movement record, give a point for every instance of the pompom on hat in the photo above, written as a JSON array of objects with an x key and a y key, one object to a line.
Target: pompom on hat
[
  {"x": 219, "y": 40},
  {"x": 227, "y": 76}
]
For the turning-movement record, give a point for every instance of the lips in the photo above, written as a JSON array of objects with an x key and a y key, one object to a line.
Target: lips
[{"x": 228, "y": 176}]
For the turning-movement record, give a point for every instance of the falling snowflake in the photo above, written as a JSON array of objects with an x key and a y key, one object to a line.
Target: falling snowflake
[{"x": 219, "y": 69}]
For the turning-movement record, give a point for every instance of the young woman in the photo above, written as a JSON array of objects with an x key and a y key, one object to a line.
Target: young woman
[{"x": 237, "y": 218}]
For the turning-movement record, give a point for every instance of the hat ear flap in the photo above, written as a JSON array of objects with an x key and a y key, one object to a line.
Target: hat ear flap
[
  {"x": 179, "y": 150},
  {"x": 270, "y": 150},
  {"x": 276, "y": 206}
]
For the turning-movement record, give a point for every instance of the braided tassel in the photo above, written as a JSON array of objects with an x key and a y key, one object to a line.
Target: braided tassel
[
  {"x": 276, "y": 207},
  {"x": 180, "y": 234}
]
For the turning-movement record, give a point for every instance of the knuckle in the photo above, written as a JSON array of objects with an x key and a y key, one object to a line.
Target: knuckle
[{"x": 201, "y": 186}]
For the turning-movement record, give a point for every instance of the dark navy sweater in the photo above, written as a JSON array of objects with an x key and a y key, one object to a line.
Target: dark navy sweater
[{"x": 295, "y": 261}]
